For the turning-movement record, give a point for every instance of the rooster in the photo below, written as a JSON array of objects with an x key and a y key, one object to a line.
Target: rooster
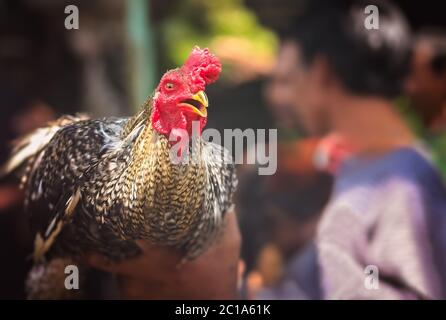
[{"x": 99, "y": 185}]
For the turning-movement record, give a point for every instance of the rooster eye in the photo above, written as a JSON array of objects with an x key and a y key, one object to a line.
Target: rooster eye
[{"x": 169, "y": 86}]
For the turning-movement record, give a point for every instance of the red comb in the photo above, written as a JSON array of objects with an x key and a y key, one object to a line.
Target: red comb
[{"x": 203, "y": 66}]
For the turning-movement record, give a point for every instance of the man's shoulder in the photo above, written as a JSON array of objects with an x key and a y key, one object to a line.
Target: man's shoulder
[
  {"x": 406, "y": 166},
  {"x": 404, "y": 177}
]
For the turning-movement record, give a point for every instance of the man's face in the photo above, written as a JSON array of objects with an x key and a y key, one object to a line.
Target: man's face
[
  {"x": 426, "y": 89},
  {"x": 295, "y": 85}
]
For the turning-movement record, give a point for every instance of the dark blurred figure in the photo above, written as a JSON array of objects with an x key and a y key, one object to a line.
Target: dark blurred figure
[
  {"x": 382, "y": 233},
  {"x": 426, "y": 88},
  {"x": 255, "y": 194},
  {"x": 287, "y": 266},
  {"x": 426, "y": 84}
]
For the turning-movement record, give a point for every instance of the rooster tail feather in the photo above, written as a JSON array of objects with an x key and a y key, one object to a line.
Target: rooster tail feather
[{"x": 30, "y": 145}]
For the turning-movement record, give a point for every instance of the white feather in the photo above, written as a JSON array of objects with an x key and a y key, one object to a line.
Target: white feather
[
  {"x": 29, "y": 146},
  {"x": 33, "y": 143}
]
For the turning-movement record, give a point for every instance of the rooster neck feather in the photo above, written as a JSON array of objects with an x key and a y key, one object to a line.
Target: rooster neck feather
[{"x": 159, "y": 199}]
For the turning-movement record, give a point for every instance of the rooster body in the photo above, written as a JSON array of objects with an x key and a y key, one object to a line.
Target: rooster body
[{"x": 99, "y": 185}]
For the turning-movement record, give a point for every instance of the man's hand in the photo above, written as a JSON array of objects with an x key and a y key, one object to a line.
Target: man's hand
[{"x": 158, "y": 273}]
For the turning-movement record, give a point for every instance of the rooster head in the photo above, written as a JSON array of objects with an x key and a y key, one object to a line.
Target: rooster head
[{"x": 179, "y": 98}]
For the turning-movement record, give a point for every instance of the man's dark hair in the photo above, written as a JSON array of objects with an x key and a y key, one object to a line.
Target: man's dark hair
[{"x": 366, "y": 61}]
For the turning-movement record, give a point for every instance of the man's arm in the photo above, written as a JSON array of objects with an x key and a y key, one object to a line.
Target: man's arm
[
  {"x": 158, "y": 274},
  {"x": 396, "y": 242}
]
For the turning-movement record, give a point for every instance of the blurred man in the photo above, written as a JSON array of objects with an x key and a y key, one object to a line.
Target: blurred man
[
  {"x": 426, "y": 88},
  {"x": 382, "y": 233}
]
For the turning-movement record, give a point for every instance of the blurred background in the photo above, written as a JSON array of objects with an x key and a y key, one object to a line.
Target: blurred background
[{"x": 113, "y": 62}]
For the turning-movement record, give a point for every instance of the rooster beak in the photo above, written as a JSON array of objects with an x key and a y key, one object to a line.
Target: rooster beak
[
  {"x": 198, "y": 104},
  {"x": 202, "y": 98}
]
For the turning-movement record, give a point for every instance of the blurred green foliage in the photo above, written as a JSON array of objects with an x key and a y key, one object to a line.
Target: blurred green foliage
[
  {"x": 436, "y": 142},
  {"x": 208, "y": 23}
]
